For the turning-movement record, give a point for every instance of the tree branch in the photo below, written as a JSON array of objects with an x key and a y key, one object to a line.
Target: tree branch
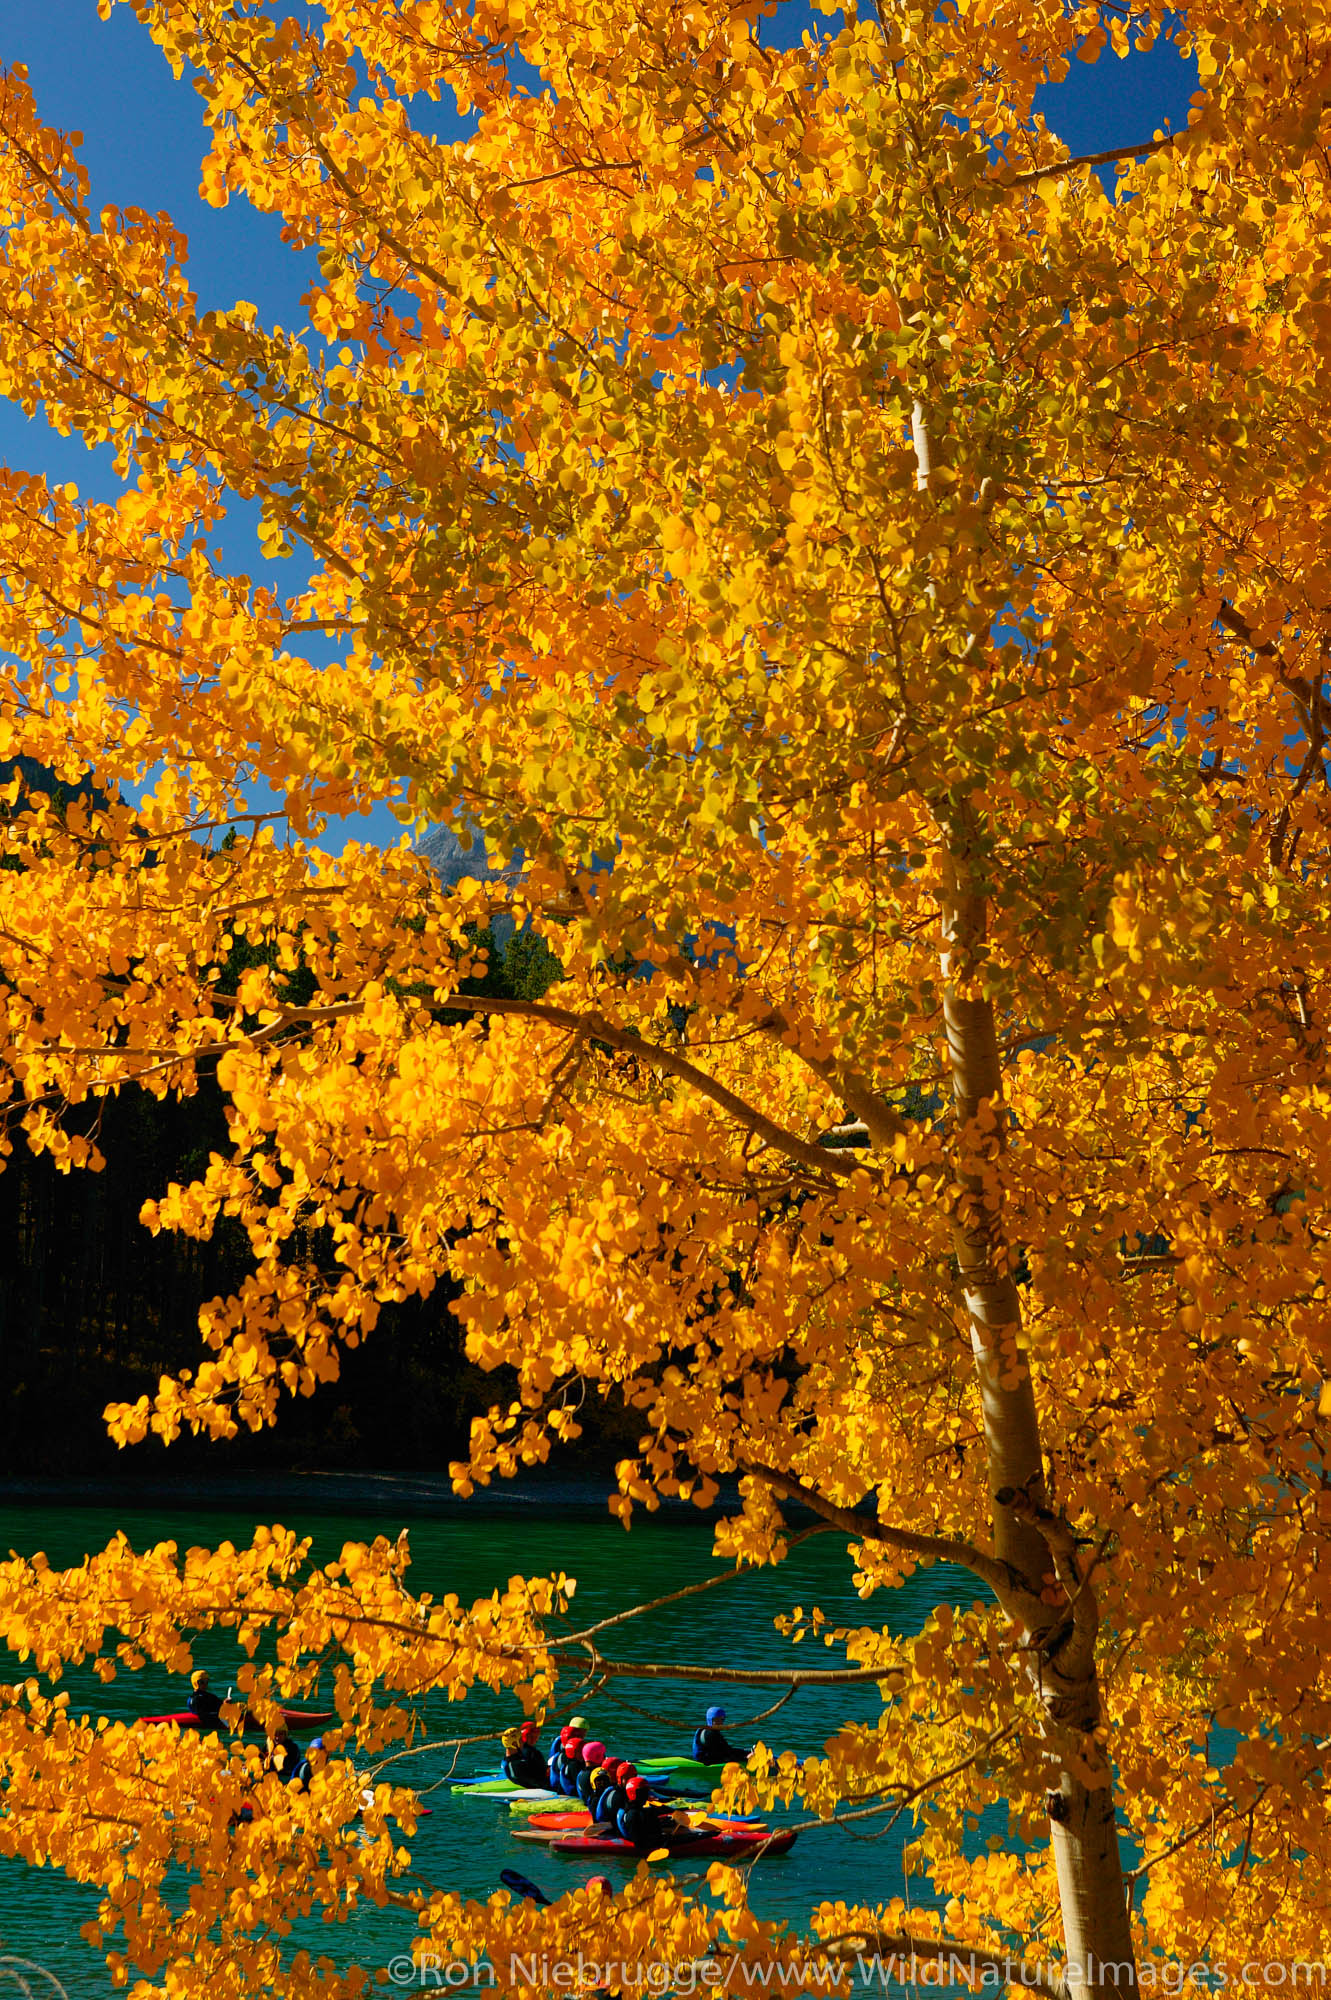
[
  {"x": 940, "y": 1548},
  {"x": 675, "y": 1596},
  {"x": 675, "y": 1670},
  {"x": 1095, "y": 160},
  {"x": 1298, "y": 684},
  {"x": 962, "y": 1962},
  {"x": 816, "y": 1158},
  {"x": 1075, "y": 1659},
  {"x": 880, "y": 1121}
]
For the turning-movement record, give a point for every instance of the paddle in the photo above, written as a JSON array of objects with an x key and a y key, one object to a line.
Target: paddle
[{"x": 520, "y": 1886}]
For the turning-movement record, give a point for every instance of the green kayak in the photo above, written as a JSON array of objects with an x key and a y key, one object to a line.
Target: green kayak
[
  {"x": 501, "y": 1788},
  {"x": 686, "y": 1766}
]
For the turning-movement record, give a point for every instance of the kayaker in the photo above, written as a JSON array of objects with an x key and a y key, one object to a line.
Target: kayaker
[
  {"x": 642, "y": 1821},
  {"x": 304, "y": 1770},
  {"x": 598, "y": 1783},
  {"x": 638, "y": 1819},
  {"x": 612, "y": 1794},
  {"x": 711, "y": 1747},
  {"x": 558, "y": 1758},
  {"x": 282, "y": 1757},
  {"x": 593, "y": 1756},
  {"x": 571, "y": 1767},
  {"x": 531, "y": 1736},
  {"x": 523, "y": 1763},
  {"x": 203, "y": 1702},
  {"x": 647, "y": 1823}
]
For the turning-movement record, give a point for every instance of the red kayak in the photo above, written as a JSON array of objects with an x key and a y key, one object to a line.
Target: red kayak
[
  {"x": 295, "y": 1718},
  {"x": 722, "y": 1846}
]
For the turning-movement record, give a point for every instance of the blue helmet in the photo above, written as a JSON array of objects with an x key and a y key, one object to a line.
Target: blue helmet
[
  {"x": 715, "y": 1717},
  {"x": 316, "y": 1743}
]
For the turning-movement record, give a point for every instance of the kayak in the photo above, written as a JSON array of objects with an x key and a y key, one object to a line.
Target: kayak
[
  {"x": 527, "y": 1798},
  {"x": 503, "y": 1788},
  {"x": 658, "y": 1771},
  {"x": 716, "y": 1846},
  {"x": 545, "y": 1826},
  {"x": 184, "y": 1718},
  {"x": 684, "y": 1765},
  {"x": 523, "y": 1803}
]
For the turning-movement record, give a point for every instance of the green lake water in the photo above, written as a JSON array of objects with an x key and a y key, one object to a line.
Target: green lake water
[{"x": 465, "y": 1843}]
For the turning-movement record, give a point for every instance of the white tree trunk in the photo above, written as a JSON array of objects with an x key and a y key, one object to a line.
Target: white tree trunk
[{"x": 1027, "y": 1536}]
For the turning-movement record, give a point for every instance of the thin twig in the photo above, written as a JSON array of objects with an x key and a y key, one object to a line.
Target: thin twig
[
  {"x": 1094, "y": 160},
  {"x": 675, "y": 1596},
  {"x": 940, "y": 1548}
]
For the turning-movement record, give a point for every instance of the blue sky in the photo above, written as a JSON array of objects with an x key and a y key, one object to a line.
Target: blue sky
[{"x": 143, "y": 138}]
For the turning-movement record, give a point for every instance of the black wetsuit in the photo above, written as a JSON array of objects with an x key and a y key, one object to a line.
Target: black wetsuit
[
  {"x": 610, "y": 1802},
  {"x": 570, "y": 1770},
  {"x": 642, "y": 1825},
  {"x": 284, "y": 1759},
  {"x": 710, "y": 1747},
  {"x": 526, "y": 1766},
  {"x": 207, "y": 1706}
]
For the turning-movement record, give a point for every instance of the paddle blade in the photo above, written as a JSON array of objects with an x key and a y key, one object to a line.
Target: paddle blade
[{"x": 520, "y": 1886}]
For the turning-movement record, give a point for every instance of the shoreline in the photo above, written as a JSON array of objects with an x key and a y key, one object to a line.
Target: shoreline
[{"x": 419, "y": 1495}]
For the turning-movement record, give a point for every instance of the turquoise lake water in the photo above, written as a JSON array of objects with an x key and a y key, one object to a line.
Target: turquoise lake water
[{"x": 466, "y": 1843}]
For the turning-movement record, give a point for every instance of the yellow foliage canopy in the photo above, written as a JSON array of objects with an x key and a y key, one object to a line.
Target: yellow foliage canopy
[{"x": 876, "y": 584}]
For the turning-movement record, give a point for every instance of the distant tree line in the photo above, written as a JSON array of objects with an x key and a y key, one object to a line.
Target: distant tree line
[{"x": 93, "y": 1308}]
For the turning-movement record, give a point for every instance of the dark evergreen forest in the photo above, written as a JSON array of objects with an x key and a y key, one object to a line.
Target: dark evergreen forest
[{"x": 93, "y": 1308}]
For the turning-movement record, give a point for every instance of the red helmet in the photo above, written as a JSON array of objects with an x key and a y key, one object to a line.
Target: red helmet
[
  {"x": 627, "y": 1770},
  {"x": 565, "y": 1733},
  {"x": 615, "y": 1767},
  {"x": 636, "y": 1787},
  {"x": 528, "y": 1732}
]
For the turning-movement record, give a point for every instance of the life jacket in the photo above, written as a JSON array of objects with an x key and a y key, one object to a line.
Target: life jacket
[
  {"x": 569, "y": 1775},
  {"x": 640, "y": 1824},
  {"x": 584, "y": 1785},
  {"x": 526, "y": 1766},
  {"x": 710, "y": 1747},
  {"x": 608, "y": 1803},
  {"x": 283, "y": 1759}
]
